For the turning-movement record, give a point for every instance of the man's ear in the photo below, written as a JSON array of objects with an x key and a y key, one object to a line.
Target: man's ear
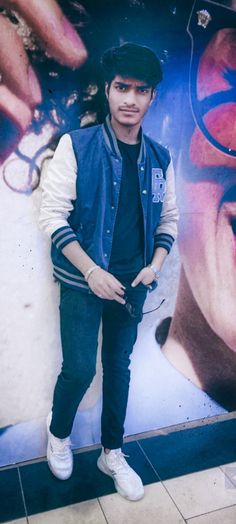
[
  {"x": 154, "y": 94},
  {"x": 106, "y": 89}
]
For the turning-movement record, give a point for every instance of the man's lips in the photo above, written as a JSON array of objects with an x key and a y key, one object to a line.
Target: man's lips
[{"x": 127, "y": 110}]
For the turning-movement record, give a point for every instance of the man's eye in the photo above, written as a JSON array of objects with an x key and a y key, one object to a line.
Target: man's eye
[
  {"x": 144, "y": 90},
  {"x": 121, "y": 88}
]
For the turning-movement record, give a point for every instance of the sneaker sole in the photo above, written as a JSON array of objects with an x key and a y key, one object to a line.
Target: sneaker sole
[
  {"x": 103, "y": 468},
  {"x": 48, "y": 422},
  {"x": 55, "y": 474}
]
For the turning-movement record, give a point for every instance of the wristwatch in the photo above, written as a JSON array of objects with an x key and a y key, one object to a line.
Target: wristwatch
[{"x": 155, "y": 270}]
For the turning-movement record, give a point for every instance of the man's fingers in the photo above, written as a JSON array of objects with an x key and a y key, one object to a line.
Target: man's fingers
[
  {"x": 136, "y": 281},
  {"x": 56, "y": 33},
  {"x": 117, "y": 282},
  {"x": 118, "y": 291},
  {"x": 118, "y": 295},
  {"x": 115, "y": 285},
  {"x": 108, "y": 287},
  {"x": 111, "y": 294},
  {"x": 119, "y": 299},
  {"x": 17, "y": 73}
]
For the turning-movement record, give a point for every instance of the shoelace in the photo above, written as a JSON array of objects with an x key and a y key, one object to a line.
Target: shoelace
[
  {"x": 119, "y": 463},
  {"x": 60, "y": 449}
]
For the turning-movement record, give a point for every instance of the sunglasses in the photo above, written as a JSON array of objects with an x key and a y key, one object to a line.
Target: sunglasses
[{"x": 133, "y": 310}]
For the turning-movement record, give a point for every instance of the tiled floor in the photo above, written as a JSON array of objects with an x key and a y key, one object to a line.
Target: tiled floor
[{"x": 189, "y": 477}]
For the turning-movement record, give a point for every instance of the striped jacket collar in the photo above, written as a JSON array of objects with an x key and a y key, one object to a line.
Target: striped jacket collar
[{"x": 111, "y": 141}]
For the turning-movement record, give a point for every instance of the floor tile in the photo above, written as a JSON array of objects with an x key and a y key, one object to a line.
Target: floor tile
[
  {"x": 229, "y": 471},
  {"x": 11, "y": 504},
  {"x": 88, "y": 512},
  {"x": 201, "y": 492},
  {"x": 43, "y": 492},
  {"x": 225, "y": 516},
  {"x": 18, "y": 521},
  {"x": 194, "y": 449},
  {"x": 155, "y": 507}
]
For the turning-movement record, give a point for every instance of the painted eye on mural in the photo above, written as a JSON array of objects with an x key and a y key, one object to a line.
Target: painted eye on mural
[{"x": 213, "y": 75}]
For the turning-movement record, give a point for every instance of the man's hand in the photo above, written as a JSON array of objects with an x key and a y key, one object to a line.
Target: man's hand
[
  {"x": 105, "y": 285},
  {"x": 20, "y": 90},
  {"x": 146, "y": 276}
]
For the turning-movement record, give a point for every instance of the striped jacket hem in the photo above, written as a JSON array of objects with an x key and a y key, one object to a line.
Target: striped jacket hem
[{"x": 67, "y": 278}]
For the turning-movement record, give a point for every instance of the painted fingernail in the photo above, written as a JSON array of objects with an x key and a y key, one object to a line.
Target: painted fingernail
[
  {"x": 34, "y": 86},
  {"x": 75, "y": 39}
]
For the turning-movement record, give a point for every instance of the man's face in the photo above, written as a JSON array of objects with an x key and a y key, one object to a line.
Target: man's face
[
  {"x": 207, "y": 197},
  {"x": 128, "y": 100}
]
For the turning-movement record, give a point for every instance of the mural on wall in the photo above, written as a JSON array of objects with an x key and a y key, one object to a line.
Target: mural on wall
[
  {"x": 52, "y": 83},
  {"x": 201, "y": 342}
]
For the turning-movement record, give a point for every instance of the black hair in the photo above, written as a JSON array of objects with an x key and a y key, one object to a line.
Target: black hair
[{"x": 132, "y": 60}]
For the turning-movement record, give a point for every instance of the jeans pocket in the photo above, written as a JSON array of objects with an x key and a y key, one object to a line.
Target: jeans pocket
[{"x": 150, "y": 287}]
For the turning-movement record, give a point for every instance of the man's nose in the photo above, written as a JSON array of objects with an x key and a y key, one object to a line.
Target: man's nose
[{"x": 130, "y": 98}]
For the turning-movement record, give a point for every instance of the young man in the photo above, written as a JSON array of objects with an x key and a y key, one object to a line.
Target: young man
[{"x": 109, "y": 206}]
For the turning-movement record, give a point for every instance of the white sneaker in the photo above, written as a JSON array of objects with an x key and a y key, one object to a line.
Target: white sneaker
[
  {"x": 127, "y": 482},
  {"x": 59, "y": 454}
]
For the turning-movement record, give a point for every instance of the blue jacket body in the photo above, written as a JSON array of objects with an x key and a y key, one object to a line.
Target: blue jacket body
[{"x": 97, "y": 186}]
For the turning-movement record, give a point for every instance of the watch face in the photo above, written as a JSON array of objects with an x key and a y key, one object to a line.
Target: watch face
[{"x": 155, "y": 270}]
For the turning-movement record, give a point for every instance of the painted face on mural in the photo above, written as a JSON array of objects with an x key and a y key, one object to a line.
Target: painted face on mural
[
  {"x": 207, "y": 194},
  {"x": 128, "y": 100}
]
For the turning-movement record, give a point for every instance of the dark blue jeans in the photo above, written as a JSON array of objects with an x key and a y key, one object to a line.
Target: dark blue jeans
[{"x": 80, "y": 316}]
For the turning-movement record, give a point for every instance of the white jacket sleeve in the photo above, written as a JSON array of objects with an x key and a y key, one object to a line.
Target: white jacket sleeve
[
  {"x": 58, "y": 193},
  {"x": 166, "y": 231}
]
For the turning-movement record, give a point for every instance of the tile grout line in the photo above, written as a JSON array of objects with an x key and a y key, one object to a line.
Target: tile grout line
[
  {"x": 23, "y": 495},
  {"x": 98, "y": 499},
  {"x": 209, "y": 512},
  {"x": 226, "y": 475},
  {"x": 149, "y": 461}
]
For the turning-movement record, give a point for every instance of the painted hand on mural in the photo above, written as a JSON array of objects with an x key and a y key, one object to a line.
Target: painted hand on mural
[{"x": 20, "y": 90}]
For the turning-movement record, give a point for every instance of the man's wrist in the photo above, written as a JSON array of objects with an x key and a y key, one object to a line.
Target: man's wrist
[
  {"x": 90, "y": 271},
  {"x": 155, "y": 270}
]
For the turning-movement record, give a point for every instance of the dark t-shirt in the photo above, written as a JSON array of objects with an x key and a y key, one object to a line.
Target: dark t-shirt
[{"x": 128, "y": 241}]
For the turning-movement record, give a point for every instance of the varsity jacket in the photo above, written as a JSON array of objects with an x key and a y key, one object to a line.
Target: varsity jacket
[{"x": 80, "y": 194}]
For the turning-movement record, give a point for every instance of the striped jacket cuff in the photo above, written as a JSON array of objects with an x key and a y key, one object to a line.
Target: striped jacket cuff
[
  {"x": 164, "y": 240},
  {"x": 63, "y": 236}
]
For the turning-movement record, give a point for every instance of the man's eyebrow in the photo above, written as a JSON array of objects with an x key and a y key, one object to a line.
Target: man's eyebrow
[
  {"x": 145, "y": 86},
  {"x": 121, "y": 84},
  {"x": 124, "y": 84}
]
